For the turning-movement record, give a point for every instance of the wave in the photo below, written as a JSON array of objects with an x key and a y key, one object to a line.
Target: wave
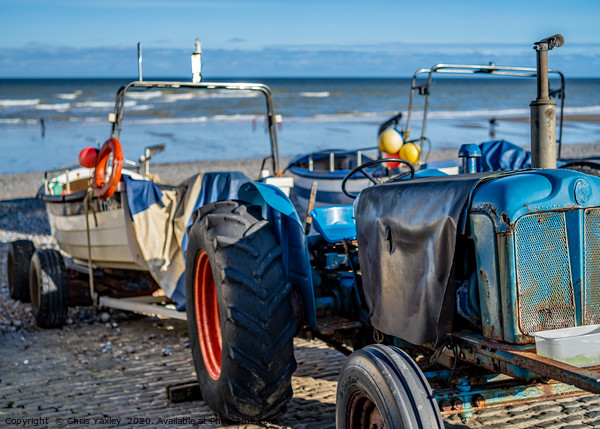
[
  {"x": 197, "y": 119},
  {"x": 341, "y": 117},
  {"x": 12, "y": 102},
  {"x": 219, "y": 93},
  {"x": 238, "y": 117},
  {"x": 580, "y": 110},
  {"x": 173, "y": 98},
  {"x": 418, "y": 115},
  {"x": 503, "y": 113},
  {"x": 103, "y": 104},
  {"x": 141, "y": 107},
  {"x": 320, "y": 94},
  {"x": 59, "y": 107},
  {"x": 70, "y": 95},
  {"x": 146, "y": 95},
  {"x": 91, "y": 120},
  {"x": 10, "y": 121},
  {"x": 335, "y": 117}
]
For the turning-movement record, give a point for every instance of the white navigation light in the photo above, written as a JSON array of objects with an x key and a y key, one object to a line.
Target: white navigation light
[{"x": 197, "y": 64}]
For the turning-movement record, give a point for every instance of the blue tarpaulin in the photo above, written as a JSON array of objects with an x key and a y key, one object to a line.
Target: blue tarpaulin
[
  {"x": 161, "y": 215},
  {"x": 500, "y": 155}
]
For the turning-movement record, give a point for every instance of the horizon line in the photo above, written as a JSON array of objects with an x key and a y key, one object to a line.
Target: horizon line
[{"x": 240, "y": 78}]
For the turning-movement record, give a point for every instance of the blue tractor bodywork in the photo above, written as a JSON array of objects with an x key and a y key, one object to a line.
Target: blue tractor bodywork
[
  {"x": 522, "y": 260},
  {"x": 334, "y": 224},
  {"x": 289, "y": 232},
  {"x": 533, "y": 234},
  {"x": 536, "y": 241}
]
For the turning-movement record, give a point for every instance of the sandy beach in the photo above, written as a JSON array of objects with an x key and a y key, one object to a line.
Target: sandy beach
[
  {"x": 567, "y": 118},
  {"x": 26, "y": 185}
]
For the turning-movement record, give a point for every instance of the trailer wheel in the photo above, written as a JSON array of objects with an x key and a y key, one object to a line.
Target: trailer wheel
[
  {"x": 48, "y": 288},
  {"x": 19, "y": 255},
  {"x": 381, "y": 386},
  {"x": 239, "y": 313}
]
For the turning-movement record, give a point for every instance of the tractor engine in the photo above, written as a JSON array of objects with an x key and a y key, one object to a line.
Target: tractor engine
[
  {"x": 334, "y": 277},
  {"x": 505, "y": 253}
]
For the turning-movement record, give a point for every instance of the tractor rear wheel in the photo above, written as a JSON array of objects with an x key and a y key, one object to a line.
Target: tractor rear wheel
[
  {"x": 19, "y": 256},
  {"x": 239, "y": 313},
  {"x": 48, "y": 288},
  {"x": 381, "y": 386}
]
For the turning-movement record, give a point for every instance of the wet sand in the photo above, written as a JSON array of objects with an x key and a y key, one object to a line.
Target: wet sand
[{"x": 567, "y": 118}]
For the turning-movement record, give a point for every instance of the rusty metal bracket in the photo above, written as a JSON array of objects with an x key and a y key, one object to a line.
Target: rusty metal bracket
[{"x": 584, "y": 378}]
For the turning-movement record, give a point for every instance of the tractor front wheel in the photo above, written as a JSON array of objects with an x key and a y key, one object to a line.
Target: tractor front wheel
[
  {"x": 239, "y": 313},
  {"x": 382, "y": 387}
]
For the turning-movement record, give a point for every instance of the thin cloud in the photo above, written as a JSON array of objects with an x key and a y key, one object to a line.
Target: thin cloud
[{"x": 393, "y": 60}]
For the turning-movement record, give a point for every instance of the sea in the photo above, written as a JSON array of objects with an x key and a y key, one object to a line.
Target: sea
[{"x": 45, "y": 123}]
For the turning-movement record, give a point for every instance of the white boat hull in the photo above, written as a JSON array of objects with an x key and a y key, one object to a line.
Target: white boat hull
[
  {"x": 111, "y": 243},
  {"x": 110, "y": 240}
]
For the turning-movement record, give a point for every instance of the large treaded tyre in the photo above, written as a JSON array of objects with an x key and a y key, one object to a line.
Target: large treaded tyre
[
  {"x": 381, "y": 386},
  {"x": 48, "y": 288},
  {"x": 18, "y": 258},
  {"x": 239, "y": 313}
]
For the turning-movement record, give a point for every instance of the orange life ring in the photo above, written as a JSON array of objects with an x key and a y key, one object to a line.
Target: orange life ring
[{"x": 103, "y": 187}]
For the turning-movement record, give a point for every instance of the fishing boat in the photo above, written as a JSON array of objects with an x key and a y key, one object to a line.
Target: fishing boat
[
  {"x": 120, "y": 231},
  {"x": 321, "y": 173},
  {"x": 69, "y": 204},
  {"x": 497, "y": 153}
]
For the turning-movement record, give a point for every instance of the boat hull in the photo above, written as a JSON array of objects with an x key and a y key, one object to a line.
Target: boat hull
[{"x": 111, "y": 240}]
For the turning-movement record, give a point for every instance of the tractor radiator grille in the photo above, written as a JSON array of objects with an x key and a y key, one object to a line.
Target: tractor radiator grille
[
  {"x": 591, "y": 314},
  {"x": 544, "y": 286}
]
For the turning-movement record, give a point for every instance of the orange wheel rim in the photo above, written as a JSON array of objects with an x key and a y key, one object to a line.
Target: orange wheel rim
[{"x": 208, "y": 321}]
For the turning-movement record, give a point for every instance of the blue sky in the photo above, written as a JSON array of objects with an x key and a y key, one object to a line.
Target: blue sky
[{"x": 270, "y": 38}]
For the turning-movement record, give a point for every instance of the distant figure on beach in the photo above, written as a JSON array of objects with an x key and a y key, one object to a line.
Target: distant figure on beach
[
  {"x": 43, "y": 124},
  {"x": 492, "y": 128}
]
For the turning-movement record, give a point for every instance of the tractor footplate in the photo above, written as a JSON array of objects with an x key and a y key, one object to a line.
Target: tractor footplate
[{"x": 338, "y": 328}]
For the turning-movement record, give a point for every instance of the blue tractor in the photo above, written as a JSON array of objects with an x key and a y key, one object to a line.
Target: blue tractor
[{"x": 450, "y": 293}]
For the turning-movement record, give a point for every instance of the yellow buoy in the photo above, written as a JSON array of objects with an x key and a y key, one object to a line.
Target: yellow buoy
[
  {"x": 410, "y": 152},
  {"x": 390, "y": 141}
]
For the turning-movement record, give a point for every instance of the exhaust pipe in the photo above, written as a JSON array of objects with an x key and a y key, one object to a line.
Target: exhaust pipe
[{"x": 543, "y": 110}]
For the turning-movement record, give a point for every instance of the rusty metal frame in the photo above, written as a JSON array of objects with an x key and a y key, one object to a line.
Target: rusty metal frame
[
  {"x": 500, "y": 394},
  {"x": 517, "y": 375},
  {"x": 491, "y": 69},
  {"x": 492, "y": 354}
]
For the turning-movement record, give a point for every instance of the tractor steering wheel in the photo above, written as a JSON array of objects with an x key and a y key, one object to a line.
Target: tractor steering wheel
[{"x": 375, "y": 181}]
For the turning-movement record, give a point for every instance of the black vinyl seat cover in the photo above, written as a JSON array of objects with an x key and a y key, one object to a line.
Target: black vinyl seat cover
[{"x": 406, "y": 234}]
